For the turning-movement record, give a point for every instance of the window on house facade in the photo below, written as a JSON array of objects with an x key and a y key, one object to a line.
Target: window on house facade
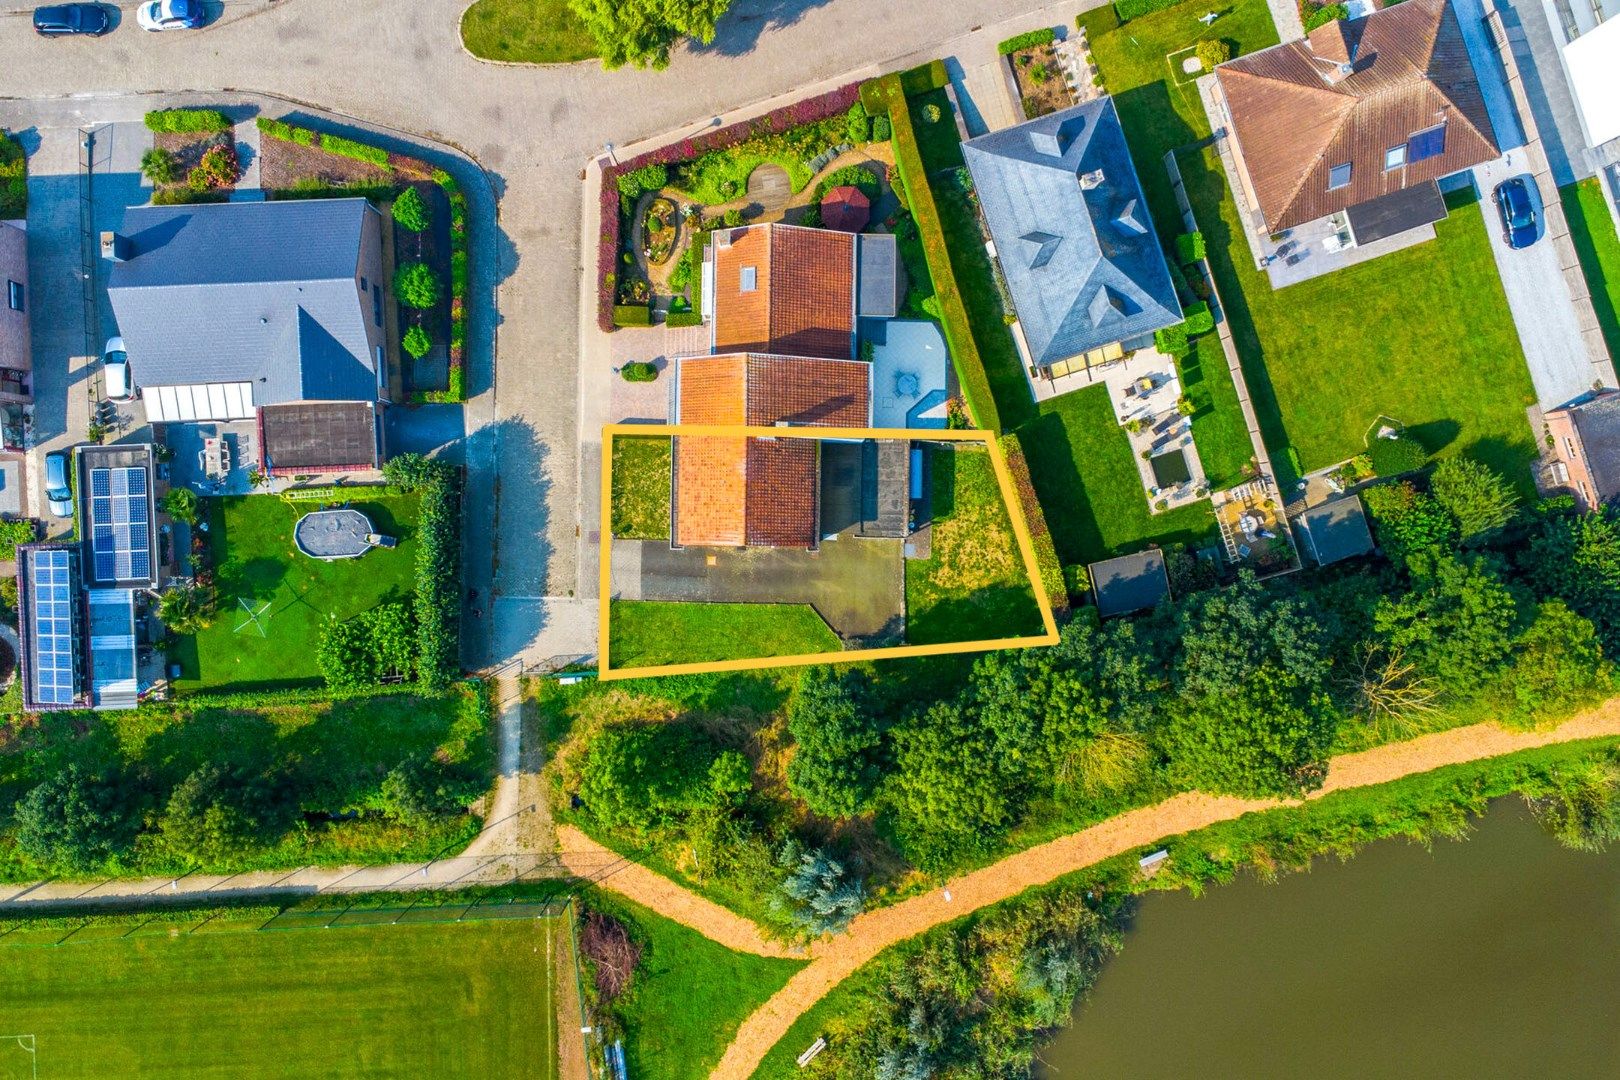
[
  {"x": 749, "y": 279},
  {"x": 376, "y": 304},
  {"x": 14, "y": 295},
  {"x": 1339, "y": 176},
  {"x": 1394, "y": 157},
  {"x": 11, "y": 381}
]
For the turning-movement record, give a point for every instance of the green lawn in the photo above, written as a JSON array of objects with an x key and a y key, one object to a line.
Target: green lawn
[
  {"x": 689, "y": 995},
  {"x": 657, "y": 632},
  {"x": 1592, "y": 230},
  {"x": 1423, "y": 335},
  {"x": 974, "y": 585},
  {"x": 255, "y": 560},
  {"x": 641, "y": 487},
  {"x": 443, "y": 1000},
  {"x": 526, "y": 32},
  {"x": 1080, "y": 460}
]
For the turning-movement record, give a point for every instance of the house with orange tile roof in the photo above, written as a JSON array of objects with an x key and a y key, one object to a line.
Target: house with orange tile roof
[{"x": 747, "y": 492}]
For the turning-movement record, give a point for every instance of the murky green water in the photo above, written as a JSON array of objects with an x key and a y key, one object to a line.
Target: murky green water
[{"x": 1495, "y": 957}]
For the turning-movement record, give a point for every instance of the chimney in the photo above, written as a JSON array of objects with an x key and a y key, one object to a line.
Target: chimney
[{"x": 117, "y": 247}]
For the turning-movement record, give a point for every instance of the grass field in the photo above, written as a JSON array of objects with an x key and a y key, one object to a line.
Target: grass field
[
  {"x": 444, "y": 1000},
  {"x": 973, "y": 586},
  {"x": 641, "y": 487},
  {"x": 1592, "y": 230},
  {"x": 656, "y": 632},
  {"x": 251, "y": 539},
  {"x": 526, "y": 32}
]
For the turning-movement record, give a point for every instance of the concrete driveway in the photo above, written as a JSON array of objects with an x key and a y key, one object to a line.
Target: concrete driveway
[{"x": 400, "y": 67}]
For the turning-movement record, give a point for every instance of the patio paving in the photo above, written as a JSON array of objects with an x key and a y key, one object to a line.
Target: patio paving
[
  {"x": 1145, "y": 390},
  {"x": 186, "y": 466}
]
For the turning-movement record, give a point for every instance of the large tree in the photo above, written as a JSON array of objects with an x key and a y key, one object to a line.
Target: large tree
[
  {"x": 78, "y": 820},
  {"x": 219, "y": 812},
  {"x": 1576, "y": 558},
  {"x": 636, "y": 776},
  {"x": 1268, "y": 735},
  {"x": 1480, "y": 500},
  {"x": 946, "y": 794},
  {"x": 642, "y": 32},
  {"x": 1456, "y": 621},
  {"x": 1558, "y": 665},
  {"x": 1227, "y": 635},
  {"x": 837, "y": 763}
]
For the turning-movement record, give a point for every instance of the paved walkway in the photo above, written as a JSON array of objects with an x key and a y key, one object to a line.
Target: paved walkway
[{"x": 1285, "y": 13}]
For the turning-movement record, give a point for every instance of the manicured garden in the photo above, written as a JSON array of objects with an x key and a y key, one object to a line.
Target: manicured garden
[
  {"x": 257, "y": 568},
  {"x": 526, "y": 32},
  {"x": 649, "y": 633},
  {"x": 974, "y": 585},
  {"x": 193, "y": 156},
  {"x": 641, "y": 488},
  {"x": 447, "y": 1000},
  {"x": 1592, "y": 230}
]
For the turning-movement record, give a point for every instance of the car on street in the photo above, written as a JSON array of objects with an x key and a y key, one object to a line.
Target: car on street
[
  {"x": 171, "y": 15},
  {"x": 65, "y": 20},
  {"x": 58, "y": 492},
  {"x": 115, "y": 375},
  {"x": 1518, "y": 212}
]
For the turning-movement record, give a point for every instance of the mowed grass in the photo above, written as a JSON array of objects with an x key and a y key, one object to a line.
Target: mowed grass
[
  {"x": 444, "y": 1000},
  {"x": 526, "y": 32},
  {"x": 251, "y": 537},
  {"x": 1086, "y": 477},
  {"x": 689, "y": 995},
  {"x": 1592, "y": 230},
  {"x": 652, "y": 633},
  {"x": 641, "y": 487},
  {"x": 973, "y": 586}
]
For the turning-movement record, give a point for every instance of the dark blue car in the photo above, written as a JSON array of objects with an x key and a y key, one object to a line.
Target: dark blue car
[
  {"x": 1518, "y": 212},
  {"x": 64, "y": 20}
]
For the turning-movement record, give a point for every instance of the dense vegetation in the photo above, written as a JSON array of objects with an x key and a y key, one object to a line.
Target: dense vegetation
[
  {"x": 1486, "y": 609},
  {"x": 642, "y": 32}
]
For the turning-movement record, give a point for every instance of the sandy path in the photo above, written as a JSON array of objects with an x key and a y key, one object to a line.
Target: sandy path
[{"x": 835, "y": 959}]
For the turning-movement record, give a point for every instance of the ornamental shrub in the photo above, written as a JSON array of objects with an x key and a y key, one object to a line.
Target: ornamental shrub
[
  {"x": 411, "y": 211},
  {"x": 639, "y": 371},
  {"x": 217, "y": 169},
  {"x": 857, "y": 125},
  {"x": 1212, "y": 53},
  {"x": 188, "y": 121},
  {"x": 881, "y": 129},
  {"x": 160, "y": 166},
  {"x": 417, "y": 341},
  {"x": 647, "y": 178},
  {"x": 731, "y": 219},
  {"x": 1401, "y": 454},
  {"x": 181, "y": 504},
  {"x": 417, "y": 286},
  {"x": 931, "y": 113}
]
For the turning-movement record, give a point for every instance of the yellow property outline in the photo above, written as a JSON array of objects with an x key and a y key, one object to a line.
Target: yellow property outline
[{"x": 1009, "y": 498}]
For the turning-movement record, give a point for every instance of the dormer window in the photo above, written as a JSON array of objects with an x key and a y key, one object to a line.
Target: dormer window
[{"x": 1339, "y": 176}]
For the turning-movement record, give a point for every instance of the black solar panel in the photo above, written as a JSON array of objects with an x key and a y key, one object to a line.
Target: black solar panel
[
  {"x": 52, "y": 617},
  {"x": 118, "y": 519}
]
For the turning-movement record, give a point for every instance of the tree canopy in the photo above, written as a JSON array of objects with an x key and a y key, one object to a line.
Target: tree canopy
[
  {"x": 836, "y": 767},
  {"x": 642, "y": 32},
  {"x": 77, "y": 819}
]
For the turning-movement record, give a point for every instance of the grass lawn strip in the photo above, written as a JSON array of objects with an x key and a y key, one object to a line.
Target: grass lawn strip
[
  {"x": 526, "y": 32},
  {"x": 444, "y": 1000},
  {"x": 653, "y": 633},
  {"x": 1592, "y": 230},
  {"x": 973, "y": 586},
  {"x": 641, "y": 487},
  {"x": 256, "y": 562}
]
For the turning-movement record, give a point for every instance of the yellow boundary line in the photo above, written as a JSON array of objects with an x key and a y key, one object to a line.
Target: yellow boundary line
[{"x": 1009, "y": 498}]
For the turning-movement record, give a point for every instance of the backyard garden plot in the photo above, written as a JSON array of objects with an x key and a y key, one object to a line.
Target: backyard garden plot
[
  {"x": 444, "y": 1000},
  {"x": 274, "y": 602}
]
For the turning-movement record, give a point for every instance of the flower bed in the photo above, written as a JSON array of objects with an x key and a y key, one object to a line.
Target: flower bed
[
  {"x": 300, "y": 163},
  {"x": 1041, "y": 88},
  {"x": 658, "y": 231},
  {"x": 809, "y": 111},
  {"x": 190, "y": 163}
]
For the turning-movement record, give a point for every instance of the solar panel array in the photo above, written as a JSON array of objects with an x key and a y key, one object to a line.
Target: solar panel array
[
  {"x": 53, "y": 628},
  {"x": 119, "y": 535}
]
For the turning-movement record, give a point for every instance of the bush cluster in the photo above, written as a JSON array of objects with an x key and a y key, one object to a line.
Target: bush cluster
[
  {"x": 188, "y": 121},
  {"x": 373, "y": 646},
  {"x": 1314, "y": 14},
  {"x": 13, "y": 178}
]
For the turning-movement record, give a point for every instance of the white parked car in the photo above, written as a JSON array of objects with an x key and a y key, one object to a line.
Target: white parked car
[
  {"x": 115, "y": 375},
  {"x": 171, "y": 15}
]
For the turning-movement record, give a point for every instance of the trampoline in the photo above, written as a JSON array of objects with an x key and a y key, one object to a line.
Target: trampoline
[{"x": 333, "y": 534}]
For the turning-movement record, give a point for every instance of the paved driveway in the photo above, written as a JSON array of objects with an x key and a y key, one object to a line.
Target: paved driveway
[{"x": 400, "y": 66}]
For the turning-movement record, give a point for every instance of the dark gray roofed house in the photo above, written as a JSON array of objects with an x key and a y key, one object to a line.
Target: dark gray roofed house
[
  {"x": 1072, "y": 232},
  {"x": 1334, "y": 530},
  {"x": 1129, "y": 583},
  {"x": 880, "y": 273},
  {"x": 227, "y": 307}
]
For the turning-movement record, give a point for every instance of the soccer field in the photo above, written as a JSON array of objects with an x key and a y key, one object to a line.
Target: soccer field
[{"x": 440, "y": 1000}]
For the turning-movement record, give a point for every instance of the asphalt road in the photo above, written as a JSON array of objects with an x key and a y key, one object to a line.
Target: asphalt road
[{"x": 401, "y": 66}]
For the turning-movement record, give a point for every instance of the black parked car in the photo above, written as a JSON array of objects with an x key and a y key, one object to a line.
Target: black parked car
[
  {"x": 1518, "y": 212},
  {"x": 60, "y": 20}
]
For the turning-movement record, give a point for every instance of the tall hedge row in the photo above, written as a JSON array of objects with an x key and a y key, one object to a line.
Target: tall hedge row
[
  {"x": 438, "y": 579},
  {"x": 953, "y": 313}
]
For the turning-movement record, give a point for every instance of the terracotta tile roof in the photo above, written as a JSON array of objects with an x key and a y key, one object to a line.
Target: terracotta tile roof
[
  {"x": 1295, "y": 116},
  {"x": 802, "y": 302},
  {"x": 732, "y": 492}
]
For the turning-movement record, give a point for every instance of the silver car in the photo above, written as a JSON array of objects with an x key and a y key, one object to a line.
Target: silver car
[{"x": 58, "y": 492}]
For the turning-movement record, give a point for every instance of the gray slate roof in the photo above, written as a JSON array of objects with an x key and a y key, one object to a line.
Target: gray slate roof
[
  {"x": 1598, "y": 421},
  {"x": 1335, "y": 530},
  {"x": 239, "y": 292},
  {"x": 1072, "y": 231},
  {"x": 1129, "y": 583}
]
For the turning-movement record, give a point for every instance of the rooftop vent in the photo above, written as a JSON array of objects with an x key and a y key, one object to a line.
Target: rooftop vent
[
  {"x": 1092, "y": 179},
  {"x": 116, "y": 246}
]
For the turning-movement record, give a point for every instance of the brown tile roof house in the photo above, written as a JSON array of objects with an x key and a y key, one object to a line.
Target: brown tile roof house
[
  {"x": 1358, "y": 110},
  {"x": 758, "y": 492},
  {"x": 786, "y": 290},
  {"x": 1586, "y": 447}
]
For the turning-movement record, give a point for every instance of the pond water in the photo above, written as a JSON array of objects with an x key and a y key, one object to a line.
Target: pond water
[{"x": 1494, "y": 957}]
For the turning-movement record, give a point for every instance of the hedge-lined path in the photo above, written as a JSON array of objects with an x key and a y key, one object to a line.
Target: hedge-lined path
[{"x": 834, "y": 959}]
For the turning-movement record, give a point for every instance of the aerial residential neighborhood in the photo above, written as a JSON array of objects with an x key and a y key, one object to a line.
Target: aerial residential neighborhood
[{"x": 809, "y": 539}]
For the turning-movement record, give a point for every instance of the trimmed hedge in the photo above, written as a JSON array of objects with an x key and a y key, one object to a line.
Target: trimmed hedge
[
  {"x": 1172, "y": 340},
  {"x": 1046, "y": 556},
  {"x": 923, "y": 78},
  {"x": 438, "y": 579},
  {"x": 632, "y": 315},
  {"x": 188, "y": 121},
  {"x": 1199, "y": 319},
  {"x": 359, "y": 151},
  {"x": 682, "y": 318},
  {"x": 964, "y": 350},
  {"x": 1190, "y": 247},
  {"x": 1034, "y": 38},
  {"x": 1135, "y": 9}
]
